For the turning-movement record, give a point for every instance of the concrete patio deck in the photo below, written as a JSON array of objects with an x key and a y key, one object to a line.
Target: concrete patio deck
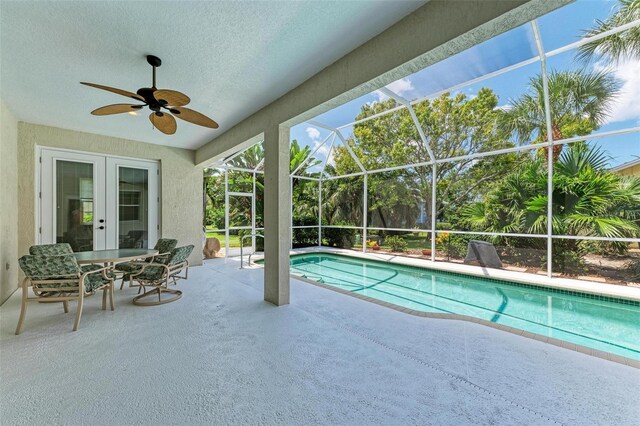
[{"x": 221, "y": 355}]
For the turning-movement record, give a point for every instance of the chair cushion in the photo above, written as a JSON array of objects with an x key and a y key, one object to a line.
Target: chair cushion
[
  {"x": 151, "y": 273},
  {"x": 91, "y": 267},
  {"x": 165, "y": 245},
  {"x": 51, "y": 249},
  {"x": 93, "y": 281},
  {"x": 38, "y": 267},
  {"x": 127, "y": 267},
  {"x": 180, "y": 254}
]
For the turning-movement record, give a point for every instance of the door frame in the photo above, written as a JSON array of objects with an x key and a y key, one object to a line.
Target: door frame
[
  {"x": 48, "y": 198},
  {"x": 112, "y": 171},
  {"x": 115, "y": 160}
]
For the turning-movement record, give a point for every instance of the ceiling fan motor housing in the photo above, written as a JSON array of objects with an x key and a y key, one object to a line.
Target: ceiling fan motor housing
[{"x": 147, "y": 94}]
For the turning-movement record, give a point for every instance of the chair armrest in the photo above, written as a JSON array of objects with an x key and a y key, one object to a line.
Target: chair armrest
[
  {"x": 158, "y": 255},
  {"x": 103, "y": 270},
  {"x": 145, "y": 265}
]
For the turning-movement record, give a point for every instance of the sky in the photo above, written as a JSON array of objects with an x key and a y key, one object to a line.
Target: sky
[{"x": 557, "y": 29}]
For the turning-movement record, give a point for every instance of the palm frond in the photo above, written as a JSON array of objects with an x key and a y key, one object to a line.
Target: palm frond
[{"x": 616, "y": 47}]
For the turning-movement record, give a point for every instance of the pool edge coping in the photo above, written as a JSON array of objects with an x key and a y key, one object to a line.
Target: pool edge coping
[{"x": 435, "y": 315}]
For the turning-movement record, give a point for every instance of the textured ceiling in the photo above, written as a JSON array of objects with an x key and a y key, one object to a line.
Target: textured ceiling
[{"x": 231, "y": 58}]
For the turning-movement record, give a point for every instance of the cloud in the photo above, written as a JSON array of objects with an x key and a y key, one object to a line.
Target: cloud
[
  {"x": 626, "y": 105},
  {"x": 505, "y": 107},
  {"x": 316, "y": 139},
  {"x": 313, "y": 133},
  {"x": 323, "y": 151},
  {"x": 401, "y": 87}
]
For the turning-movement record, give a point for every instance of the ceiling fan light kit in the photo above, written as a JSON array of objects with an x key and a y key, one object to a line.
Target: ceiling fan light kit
[{"x": 163, "y": 103}]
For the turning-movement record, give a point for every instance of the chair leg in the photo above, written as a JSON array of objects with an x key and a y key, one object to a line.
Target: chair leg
[
  {"x": 159, "y": 289},
  {"x": 79, "y": 312},
  {"x": 23, "y": 307},
  {"x": 104, "y": 298},
  {"x": 65, "y": 305},
  {"x": 111, "y": 294}
]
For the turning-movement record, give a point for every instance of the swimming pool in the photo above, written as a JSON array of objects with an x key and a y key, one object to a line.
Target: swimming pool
[{"x": 606, "y": 325}]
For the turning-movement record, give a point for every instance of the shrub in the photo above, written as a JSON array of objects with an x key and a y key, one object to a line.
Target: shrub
[
  {"x": 339, "y": 237},
  {"x": 396, "y": 243},
  {"x": 305, "y": 237},
  {"x": 456, "y": 245}
]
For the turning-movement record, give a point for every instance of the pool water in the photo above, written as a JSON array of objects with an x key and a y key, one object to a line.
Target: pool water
[{"x": 599, "y": 324}]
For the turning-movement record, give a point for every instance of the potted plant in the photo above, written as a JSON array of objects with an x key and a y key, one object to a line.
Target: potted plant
[
  {"x": 426, "y": 252},
  {"x": 373, "y": 245}
]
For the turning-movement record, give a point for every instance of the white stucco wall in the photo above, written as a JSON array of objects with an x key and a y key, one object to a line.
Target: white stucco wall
[
  {"x": 180, "y": 183},
  {"x": 8, "y": 202}
]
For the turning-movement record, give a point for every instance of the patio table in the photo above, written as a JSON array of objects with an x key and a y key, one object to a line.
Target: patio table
[{"x": 109, "y": 257}]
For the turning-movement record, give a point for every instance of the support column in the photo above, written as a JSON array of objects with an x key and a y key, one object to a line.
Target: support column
[
  {"x": 277, "y": 215},
  {"x": 365, "y": 212}
]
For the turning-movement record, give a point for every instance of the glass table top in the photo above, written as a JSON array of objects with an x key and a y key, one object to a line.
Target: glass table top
[{"x": 115, "y": 255}]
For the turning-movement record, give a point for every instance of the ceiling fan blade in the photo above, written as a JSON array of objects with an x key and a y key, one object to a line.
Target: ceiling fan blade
[
  {"x": 165, "y": 122},
  {"x": 114, "y": 90},
  {"x": 171, "y": 97},
  {"x": 116, "y": 109},
  {"x": 194, "y": 117}
]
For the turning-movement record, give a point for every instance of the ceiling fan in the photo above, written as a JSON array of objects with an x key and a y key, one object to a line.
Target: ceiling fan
[{"x": 163, "y": 103}]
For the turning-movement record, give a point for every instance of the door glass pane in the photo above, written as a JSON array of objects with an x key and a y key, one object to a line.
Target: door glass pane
[
  {"x": 74, "y": 204},
  {"x": 133, "y": 208}
]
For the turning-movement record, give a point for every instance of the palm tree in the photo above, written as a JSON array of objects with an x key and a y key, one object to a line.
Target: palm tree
[
  {"x": 579, "y": 103},
  {"x": 298, "y": 155},
  {"x": 616, "y": 47},
  {"x": 588, "y": 200},
  {"x": 250, "y": 158}
]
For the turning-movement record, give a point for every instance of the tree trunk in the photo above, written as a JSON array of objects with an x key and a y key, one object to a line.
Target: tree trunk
[
  {"x": 557, "y": 135},
  {"x": 384, "y": 222}
]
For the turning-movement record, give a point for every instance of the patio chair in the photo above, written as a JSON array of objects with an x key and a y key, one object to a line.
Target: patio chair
[
  {"x": 59, "y": 249},
  {"x": 158, "y": 274},
  {"x": 133, "y": 239},
  {"x": 164, "y": 247},
  {"x": 60, "y": 279}
]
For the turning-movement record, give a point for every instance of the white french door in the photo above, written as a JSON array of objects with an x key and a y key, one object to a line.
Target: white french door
[{"x": 96, "y": 202}]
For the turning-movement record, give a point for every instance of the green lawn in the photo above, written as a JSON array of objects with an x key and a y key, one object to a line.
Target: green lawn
[
  {"x": 234, "y": 240},
  {"x": 419, "y": 241},
  {"x": 414, "y": 241}
]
